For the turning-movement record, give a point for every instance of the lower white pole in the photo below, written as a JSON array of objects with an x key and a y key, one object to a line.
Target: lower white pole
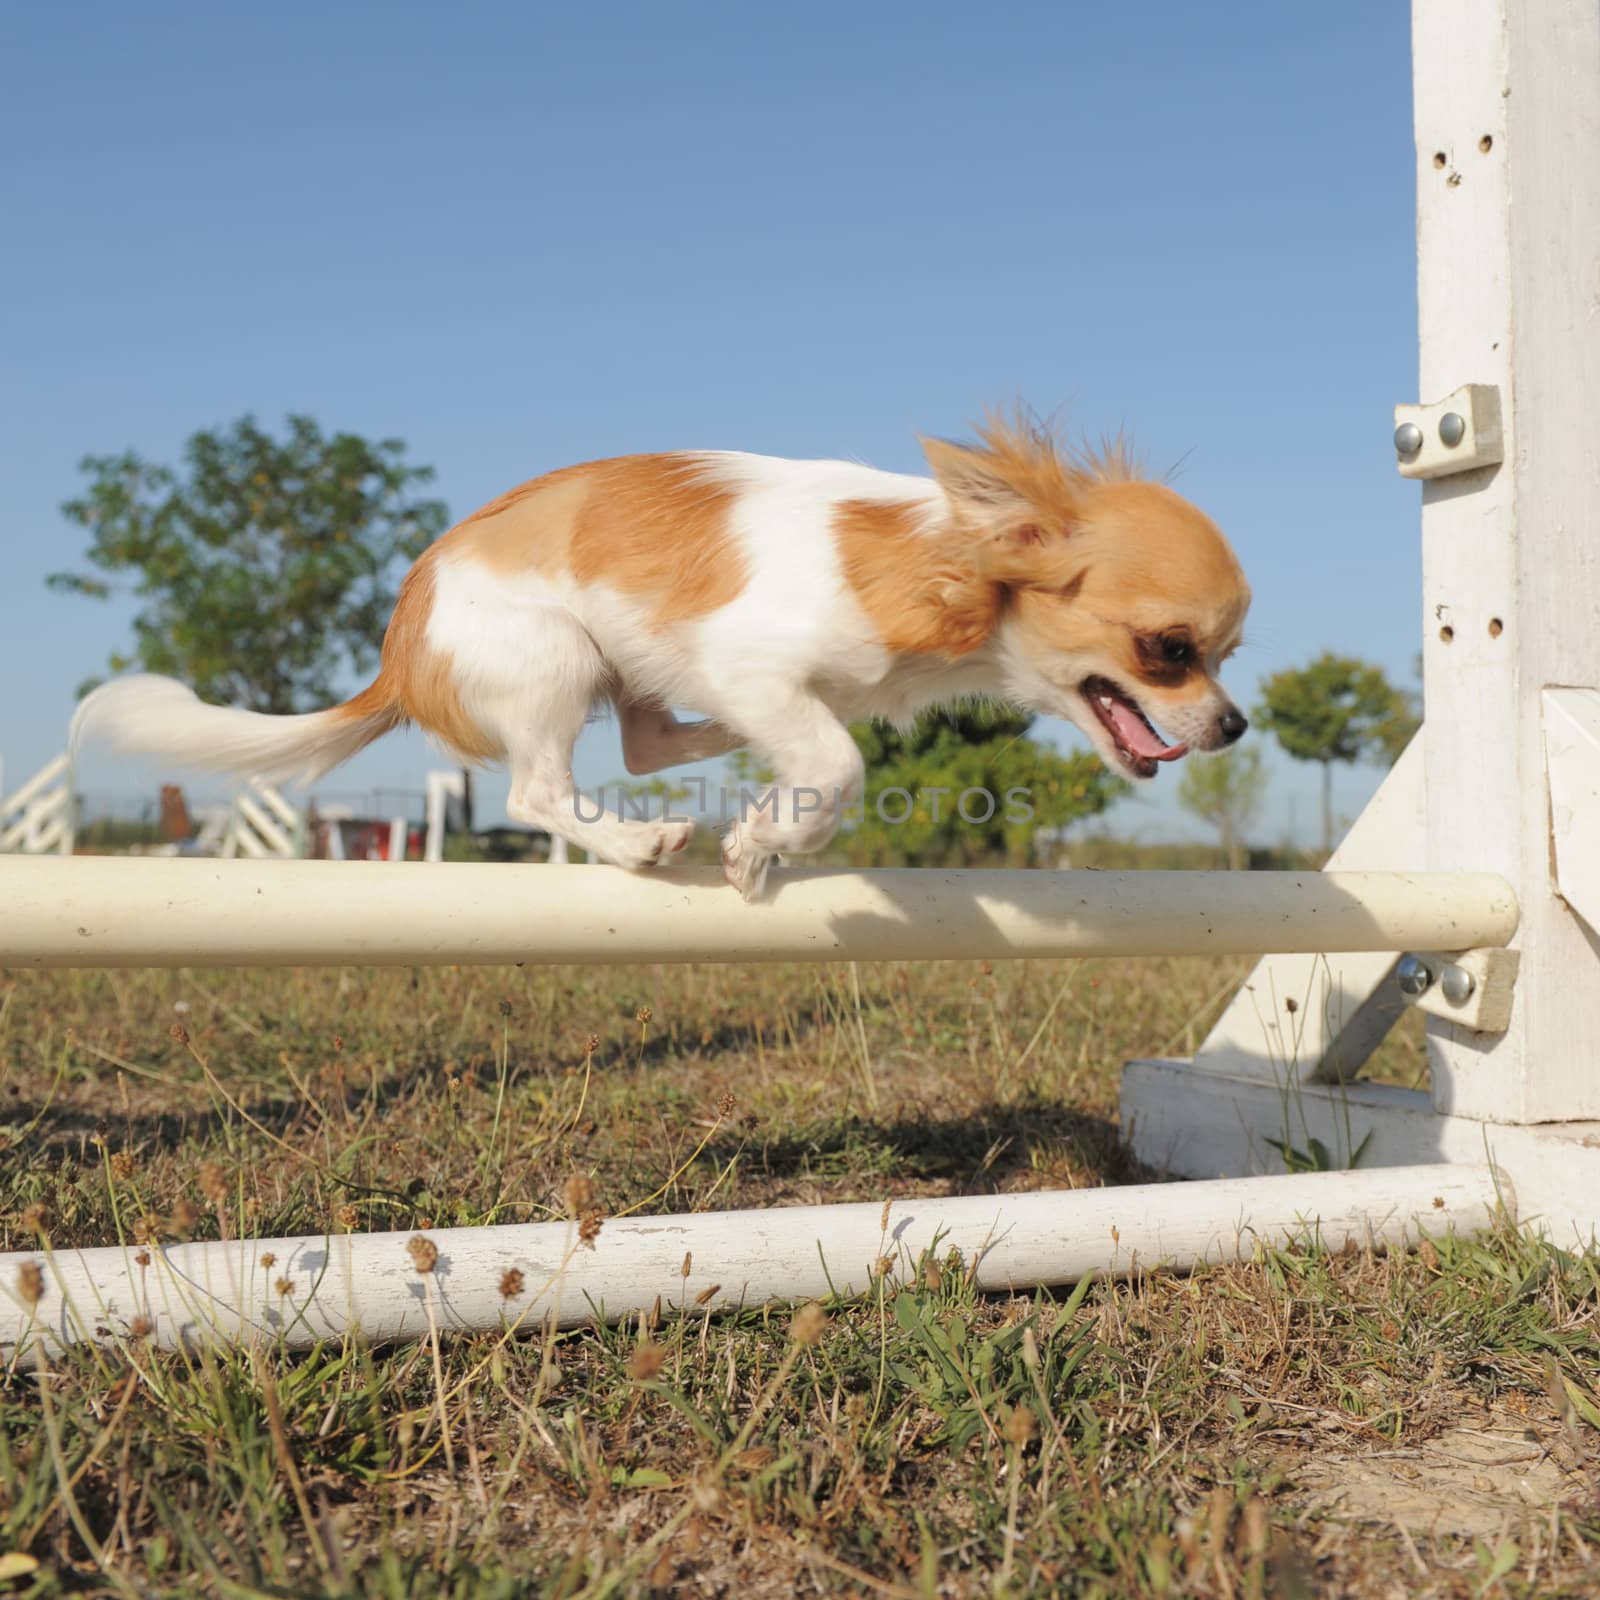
[
  {"x": 145, "y": 912},
  {"x": 298, "y": 1291}
]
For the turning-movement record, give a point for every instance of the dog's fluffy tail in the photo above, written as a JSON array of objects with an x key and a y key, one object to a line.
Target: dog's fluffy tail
[{"x": 155, "y": 716}]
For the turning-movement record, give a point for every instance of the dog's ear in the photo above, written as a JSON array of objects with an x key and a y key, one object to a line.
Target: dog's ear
[
  {"x": 1026, "y": 555},
  {"x": 979, "y": 489},
  {"x": 1020, "y": 502}
]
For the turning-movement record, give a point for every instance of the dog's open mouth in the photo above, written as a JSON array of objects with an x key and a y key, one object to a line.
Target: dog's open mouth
[{"x": 1132, "y": 732}]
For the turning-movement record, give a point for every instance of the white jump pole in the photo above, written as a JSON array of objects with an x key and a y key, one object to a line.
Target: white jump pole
[
  {"x": 133, "y": 912},
  {"x": 300, "y": 1290}
]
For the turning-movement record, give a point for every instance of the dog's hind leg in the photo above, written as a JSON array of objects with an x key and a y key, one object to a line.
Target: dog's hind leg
[
  {"x": 653, "y": 738},
  {"x": 539, "y": 724}
]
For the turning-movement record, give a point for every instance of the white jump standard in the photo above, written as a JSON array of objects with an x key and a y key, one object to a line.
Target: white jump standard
[{"x": 1505, "y": 776}]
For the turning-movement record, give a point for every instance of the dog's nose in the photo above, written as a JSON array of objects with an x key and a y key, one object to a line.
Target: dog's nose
[{"x": 1231, "y": 725}]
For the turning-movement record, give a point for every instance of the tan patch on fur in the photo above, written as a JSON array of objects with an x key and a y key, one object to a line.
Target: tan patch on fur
[
  {"x": 1150, "y": 563},
  {"x": 415, "y": 682},
  {"x": 920, "y": 589},
  {"x": 1024, "y": 496},
  {"x": 1166, "y": 565},
  {"x": 1092, "y": 560},
  {"x": 1020, "y": 476},
  {"x": 658, "y": 527},
  {"x": 654, "y": 526},
  {"x": 530, "y": 528},
  {"x": 649, "y": 526}
]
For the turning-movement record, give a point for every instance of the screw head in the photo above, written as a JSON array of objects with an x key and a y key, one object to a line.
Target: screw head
[
  {"x": 1452, "y": 430},
  {"x": 1407, "y": 439},
  {"x": 1456, "y": 984},
  {"x": 1414, "y": 976}
]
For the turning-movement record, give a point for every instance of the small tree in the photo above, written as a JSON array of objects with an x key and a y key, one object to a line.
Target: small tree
[
  {"x": 1226, "y": 791},
  {"x": 1013, "y": 785},
  {"x": 264, "y": 566},
  {"x": 949, "y": 766},
  {"x": 1337, "y": 709}
]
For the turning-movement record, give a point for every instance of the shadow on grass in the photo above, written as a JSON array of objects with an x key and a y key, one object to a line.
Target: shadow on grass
[{"x": 994, "y": 1147}]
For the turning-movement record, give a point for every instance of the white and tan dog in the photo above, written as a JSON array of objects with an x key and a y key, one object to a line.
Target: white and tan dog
[{"x": 781, "y": 600}]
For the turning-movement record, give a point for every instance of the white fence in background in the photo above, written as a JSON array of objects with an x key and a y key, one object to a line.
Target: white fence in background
[
  {"x": 259, "y": 825},
  {"x": 41, "y": 817},
  {"x": 443, "y": 787}
]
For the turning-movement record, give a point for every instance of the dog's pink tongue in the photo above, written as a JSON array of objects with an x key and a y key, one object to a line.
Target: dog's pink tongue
[{"x": 1138, "y": 736}]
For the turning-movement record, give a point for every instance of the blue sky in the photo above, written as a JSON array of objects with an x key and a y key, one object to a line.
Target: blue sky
[{"x": 523, "y": 235}]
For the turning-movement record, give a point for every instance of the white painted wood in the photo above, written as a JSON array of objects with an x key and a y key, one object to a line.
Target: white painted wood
[
  {"x": 397, "y": 838},
  {"x": 273, "y": 800},
  {"x": 46, "y": 836},
  {"x": 558, "y": 851},
  {"x": 115, "y": 912},
  {"x": 47, "y": 776},
  {"x": 1508, "y": 269},
  {"x": 1317, "y": 1018},
  {"x": 1482, "y": 444},
  {"x": 1488, "y": 1008},
  {"x": 1199, "y": 1125},
  {"x": 1572, "y": 755},
  {"x": 442, "y": 788},
  {"x": 273, "y": 839},
  {"x": 320, "y": 1287},
  {"x": 242, "y": 841},
  {"x": 42, "y": 813},
  {"x": 261, "y": 825}
]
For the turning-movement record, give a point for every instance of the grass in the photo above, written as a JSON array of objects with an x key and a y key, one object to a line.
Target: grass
[{"x": 1245, "y": 1431}]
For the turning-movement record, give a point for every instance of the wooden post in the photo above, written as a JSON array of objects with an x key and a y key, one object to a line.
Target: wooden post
[
  {"x": 1508, "y": 274},
  {"x": 1316, "y": 1018},
  {"x": 442, "y": 788},
  {"x": 1508, "y": 271}
]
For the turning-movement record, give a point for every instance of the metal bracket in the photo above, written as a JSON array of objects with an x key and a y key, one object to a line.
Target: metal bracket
[
  {"x": 1456, "y": 434},
  {"x": 1473, "y": 988}
]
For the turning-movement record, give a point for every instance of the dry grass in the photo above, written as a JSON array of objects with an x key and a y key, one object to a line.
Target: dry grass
[{"x": 1299, "y": 1425}]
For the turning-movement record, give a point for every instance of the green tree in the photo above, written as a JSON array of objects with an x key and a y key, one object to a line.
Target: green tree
[
  {"x": 972, "y": 747},
  {"x": 264, "y": 565},
  {"x": 1226, "y": 791},
  {"x": 974, "y": 751},
  {"x": 1337, "y": 709}
]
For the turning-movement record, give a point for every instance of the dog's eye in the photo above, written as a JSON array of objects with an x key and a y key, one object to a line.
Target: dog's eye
[{"x": 1177, "y": 649}]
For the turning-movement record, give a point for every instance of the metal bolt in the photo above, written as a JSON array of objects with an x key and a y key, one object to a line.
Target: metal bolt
[
  {"x": 1456, "y": 984},
  {"x": 1452, "y": 430},
  {"x": 1414, "y": 976},
  {"x": 1407, "y": 439}
]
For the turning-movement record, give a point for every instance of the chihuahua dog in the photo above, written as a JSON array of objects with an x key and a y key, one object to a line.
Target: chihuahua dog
[{"x": 780, "y": 600}]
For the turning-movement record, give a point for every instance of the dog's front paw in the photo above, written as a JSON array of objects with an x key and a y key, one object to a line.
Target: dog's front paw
[
  {"x": 650, "y": 844},
  {"x": 744, "y": 863},
  {"x": 675, "y": 836}
]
